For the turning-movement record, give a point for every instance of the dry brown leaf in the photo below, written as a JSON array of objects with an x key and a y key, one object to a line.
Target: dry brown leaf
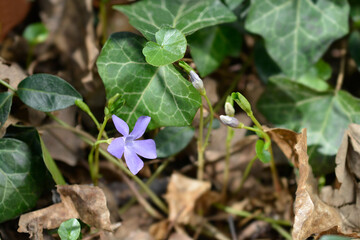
[
  {"x": 347, "y": 199},
  {"x": 77, "y": 201},
  {"x": 70, "y": 24},
  {"x": 286, "y": 140},
  {"x": 182, "y": 194},
  {"x": 312, "y": 215},
  {"x": 11, "y": 72},
  {"x": 63, "y": 145},
  {"x": 160, "y": 230},
  {"x": 179, "y": 236}
]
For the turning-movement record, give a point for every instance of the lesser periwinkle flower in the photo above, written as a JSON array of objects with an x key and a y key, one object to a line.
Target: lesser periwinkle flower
[{"x": 130, "y": 146}]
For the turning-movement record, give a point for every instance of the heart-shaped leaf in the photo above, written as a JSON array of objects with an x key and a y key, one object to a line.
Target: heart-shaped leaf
[
  {"x": 325, "y": 115},
  {"x": 300, "y": 30},
  {"x": 159, "y": 92},
  {"x": 5, "y": 106},
  {"x": 172, "y": 140},
  {"x": 45, "y": 92},
  {"x": 70, "y": 229},
  {"x": 184, "y": 15},
  {"x": 170, "y": 46},
  {"x": 262, "y": 154}
]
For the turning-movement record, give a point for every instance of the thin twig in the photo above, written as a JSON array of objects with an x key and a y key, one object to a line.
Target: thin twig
[{"x": 340, "y": 77}]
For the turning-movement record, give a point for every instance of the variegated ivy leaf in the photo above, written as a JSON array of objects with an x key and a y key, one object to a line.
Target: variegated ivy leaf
[
  {"x": 159, "y": 92},
  {"x": 148, "y": 16},
  {"x": 298, "y": 32}
]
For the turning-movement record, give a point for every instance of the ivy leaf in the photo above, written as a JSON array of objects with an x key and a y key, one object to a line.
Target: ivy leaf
[
  {"x": 70, "y": 229},
  {"x": 232, "y": 4},
  {"x": 19, "y": 187},
  {"x": 188, "y": 16},
  {"x": 317, "y": 76},
  {"x": 265, "y": 65},
  {"x": 262, "y": 154},
  {"x": 210, "y": 46},
  {"x": 326, "y": 115},
  {"x": 172, "y": 140},
  {"x": 5, "y": 106},
  {"x": 354, "y": 47},
  {"x": 36, "y": 33},
  {"x": 159, "y": 92},
  {"x": 45, "y": 92},
  {"x": 300, "y": 31},
  {"x": 170, "y": 46}
]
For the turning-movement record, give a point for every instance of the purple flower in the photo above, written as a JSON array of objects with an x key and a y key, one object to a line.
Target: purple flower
[{"x": 129, "y": 147}]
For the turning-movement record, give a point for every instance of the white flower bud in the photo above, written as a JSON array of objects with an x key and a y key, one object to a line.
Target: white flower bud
[
  {"x": 229, "y": 121},
  {"x": 229, "y": 109},
  {"x": 196, "y": 81}
]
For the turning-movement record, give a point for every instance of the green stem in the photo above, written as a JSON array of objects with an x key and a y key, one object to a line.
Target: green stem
[
  {"x": 51, "y": 165},
  {"x": 281, "y": 231},
  {"x": 148, "y": 183},
  {"x": 200, "y": 173},
  {"x": 96, "y": 151},
  {"x": 30, "y": 55},
  {"x": 248, "y": 214},
  {"x": 230, "y": 134},
  {"x": 7, "y": 85},
  {"x": 206, "y": 142},
  {"x": 246, "y": 173},
  {"x": 91, "y": 141}
]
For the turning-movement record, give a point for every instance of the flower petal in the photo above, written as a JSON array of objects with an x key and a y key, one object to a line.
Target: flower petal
[
  {"x": 120, "y": 125},
  {"x": 134, "y": 163},
  {"x": 145, "y": 148},
  {"x": 140, "y": 126},
  {"x": 117, "y": 147}
]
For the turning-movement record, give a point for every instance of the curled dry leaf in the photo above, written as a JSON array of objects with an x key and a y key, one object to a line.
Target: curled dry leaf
[
  {"x": 346, "y": 198},
  {"x": 312, "y": 215},
  {"x": 77, "y": 201},
  {"x": 182, "y": 196},
  {"x": 11, "y": 72},
  {"x": 286, "y": 140}
]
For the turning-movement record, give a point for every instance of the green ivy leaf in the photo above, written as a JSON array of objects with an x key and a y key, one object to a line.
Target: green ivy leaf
[
  {"x": 232, "y": 4},
  {"x": 210, "y": 46},
  {"x": 317, "y": 76},
  {"x": 265, "y": 65},
  {"x": 20, "y": 183},
  {"x": 172, "y": 140},
  {"x": 355, "y": 11},
  {"x": 159, "y": 92},
  {"x": 334, "y": 237},
  {"x": 70, "y": 229},
  {"x": 45, "y": 92},
  {"x": 354, "y": 47},
  {"x": 326, "y": 115},
  {"x": 300, "y": 31},
  {"x": 5, "y": 106},
  {"x": 36, "y": 33},
  {"x": 262, "y": 154},
  {"x": 170, "y": 46},
  {"x": 188, "y": 16}
]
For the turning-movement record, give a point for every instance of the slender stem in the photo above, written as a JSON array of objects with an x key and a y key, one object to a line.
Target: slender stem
[
  {"x": 148, "y": 183},
  {"x": 274, "y": 173},
  {"x": 91, "y": 141},
  {"x": 246, "y": 173},
  {"x": 96, "y": 151},
  {"x": 51, "y": 165},
  {"x": 230, "y": 134},
  {"x": 30, "y": 55},
  {"x": 200, "y": 173},
  {"x": 248, "y": 214},
  {"x": 7, "y": 85},
  {"x": 206, "y": 142},
  {"x": 281, "y": 231},
  {"x": 340, "y": 77}
]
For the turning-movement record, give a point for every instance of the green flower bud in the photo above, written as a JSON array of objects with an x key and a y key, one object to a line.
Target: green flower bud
[
  {"x": 229, "y": 109},
  {"x": 83, "y": 106},
  {"x": 242, "y": 102}
]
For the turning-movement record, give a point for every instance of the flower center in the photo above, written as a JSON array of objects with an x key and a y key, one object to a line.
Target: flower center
[{"x": 129, "y": 140}]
